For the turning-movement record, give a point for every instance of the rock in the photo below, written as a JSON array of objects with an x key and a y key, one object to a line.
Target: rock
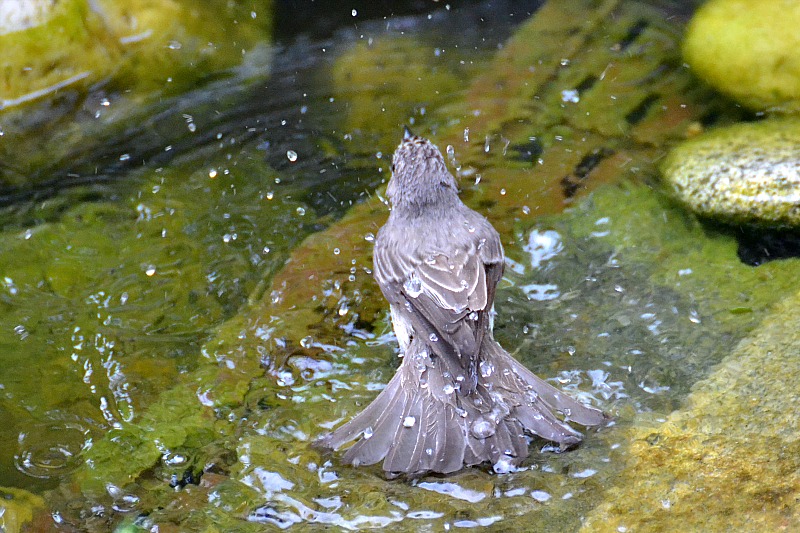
[
  {"x": 741, "y": 174},
  {"x": 749, "y": 51},
  {"x": 732, "y": 452}
]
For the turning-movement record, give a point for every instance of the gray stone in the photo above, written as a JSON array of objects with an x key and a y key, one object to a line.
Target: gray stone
[{"x": 746, "y": 173}]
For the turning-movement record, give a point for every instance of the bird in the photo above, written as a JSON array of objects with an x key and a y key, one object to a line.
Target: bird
[{"x": 458, "y": 399}]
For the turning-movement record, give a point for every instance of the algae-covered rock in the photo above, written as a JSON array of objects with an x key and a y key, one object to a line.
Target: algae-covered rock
[
  {"x": 76, "y": 73},
  {"x": 17, "y": 508},
  {"x": 749, "y": 51},
  {"x": 140, "y": 45},
  {"x": 733, "y": 451},
  {"x": 747, "y": 173}
]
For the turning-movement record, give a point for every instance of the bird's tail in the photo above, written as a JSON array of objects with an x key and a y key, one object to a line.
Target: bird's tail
[{"x": 422, "y": 422}]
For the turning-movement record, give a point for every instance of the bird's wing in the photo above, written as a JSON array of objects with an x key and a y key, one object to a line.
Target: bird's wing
[{"x": 446, "y": 296}]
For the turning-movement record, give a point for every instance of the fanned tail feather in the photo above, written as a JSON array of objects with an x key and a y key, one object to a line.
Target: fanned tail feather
[{"x": 422, "y": 422}]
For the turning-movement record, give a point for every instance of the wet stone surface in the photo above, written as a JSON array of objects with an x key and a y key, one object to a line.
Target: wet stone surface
[{"x": 742, "y": 174}]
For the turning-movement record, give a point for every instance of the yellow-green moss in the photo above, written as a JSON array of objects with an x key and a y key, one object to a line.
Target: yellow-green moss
[
  {"x": 749, "y": 51},
  {"x": 137, "y": 46},
  {"x": 729, "y": 460}
]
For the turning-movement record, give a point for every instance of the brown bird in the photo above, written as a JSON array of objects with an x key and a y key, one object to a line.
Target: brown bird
[{"x": 458, "y": 398}]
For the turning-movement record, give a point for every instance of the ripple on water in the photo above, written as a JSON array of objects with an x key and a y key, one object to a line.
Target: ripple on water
[{"x": 52, "y": 449}]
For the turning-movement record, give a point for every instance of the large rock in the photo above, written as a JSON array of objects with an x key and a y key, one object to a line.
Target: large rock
[
  {"x": 749, "y": 51},
  {"x": 747, "y": 173},
  {"x": 728, "y": 461}
]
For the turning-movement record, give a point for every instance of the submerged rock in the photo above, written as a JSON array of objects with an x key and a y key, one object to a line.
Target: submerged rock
[
  {"x": 733, "y": 452},
  {"x": 747, "y": 173},
  {"x": 749, "y": 51}
]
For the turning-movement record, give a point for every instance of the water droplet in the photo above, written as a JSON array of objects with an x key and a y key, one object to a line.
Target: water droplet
[
  {"x": 369, "y": 237},
  {"x": 482, "y": 428},
  {"x": 428, "y": 451},
  {"x": 354, "y": 12},
  {"x": 502, "y": 192},
  {"x": 413, "y": 286},
  {"x": 409, "y": 422},
  {"x": 291, "y": 155},
  {"x": 448, "y": 389},
  {"x": 433, "y": 337},
  {"x": 336, "y": 251},
  {"x": 487, "y": 369},
  {"x": 473, "y": 315},
  {"x": 464, "y": 284},
  {"x": 343, "y": 309},
  {"x": 526, "y": 210},
  {"x": 368, "y": 432},
  {"x": 212, "y": 173},
  {"x": 301, "y": 211},
  {"x": 270, "y": 195},
  {"x": 307, "y": 341},
  {"x": 151, "y": 271}
]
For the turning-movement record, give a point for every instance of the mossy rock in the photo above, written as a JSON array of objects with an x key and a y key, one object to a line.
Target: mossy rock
[
  {"x": 748, "y": 173},
  {"x": 17, "y": 508},
  {"x": 139, "y": 46},
  {"x": 733, "y": 451},
  {"x": 748, "y": 50}
]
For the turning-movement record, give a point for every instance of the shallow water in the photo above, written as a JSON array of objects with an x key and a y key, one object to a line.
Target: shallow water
[{"x": 188, "y": 304}]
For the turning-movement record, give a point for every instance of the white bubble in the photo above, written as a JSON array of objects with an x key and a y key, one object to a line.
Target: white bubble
[{"x": 291, "y": 155}]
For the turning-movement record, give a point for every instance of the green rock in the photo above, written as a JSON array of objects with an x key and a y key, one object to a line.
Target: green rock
[
  {"x": 749, "y": 51},
  {"x": 747, "y": 173},
  {"x": 733, "y": 451},
  {"x": 17, "y": 508}
]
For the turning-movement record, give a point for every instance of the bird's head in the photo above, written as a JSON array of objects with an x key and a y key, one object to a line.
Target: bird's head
[{"x": 419, "y": 175}]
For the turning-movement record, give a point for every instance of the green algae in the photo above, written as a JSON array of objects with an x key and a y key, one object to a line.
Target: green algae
[
  {"x": 688, "y": 253},
  {"x": 732, "y": 451},
  {"x": 138, "y": 45},
  {"x": 17, "y": 508},
  {"x": 112, "y": 301}
]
